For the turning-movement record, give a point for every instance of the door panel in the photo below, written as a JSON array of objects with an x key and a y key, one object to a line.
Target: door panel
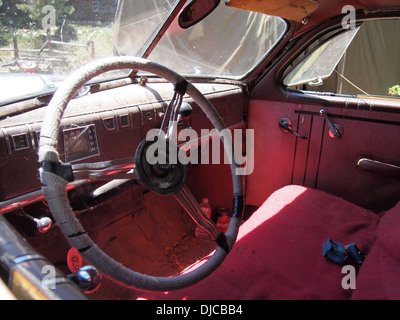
[
  {"x": 305, "y": 167},
  {"x": 373, "y": 135},
  {"x": 323, "y": 162},
  {"x": 273, "y": 149}
]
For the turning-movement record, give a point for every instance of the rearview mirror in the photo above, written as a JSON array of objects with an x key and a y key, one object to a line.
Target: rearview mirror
[{"x": 196, "y": 11}]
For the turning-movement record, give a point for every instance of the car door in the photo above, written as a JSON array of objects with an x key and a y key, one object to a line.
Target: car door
[{"x": 360, "y": 162}]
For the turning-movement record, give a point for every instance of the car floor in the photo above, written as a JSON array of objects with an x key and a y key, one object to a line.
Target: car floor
[{"x": 157, "y": 241}]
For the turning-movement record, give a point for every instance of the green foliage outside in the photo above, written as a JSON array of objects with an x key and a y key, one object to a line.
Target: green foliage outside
[
  {"x": 395, "y": 91},
  {"x": 100, "y": 36},
  {"x": 28, "y": 15},
  {"x": 23, "y": 22}
]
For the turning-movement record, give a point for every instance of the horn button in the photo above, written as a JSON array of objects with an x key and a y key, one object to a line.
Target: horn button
[{"x": 158, "y": 167}]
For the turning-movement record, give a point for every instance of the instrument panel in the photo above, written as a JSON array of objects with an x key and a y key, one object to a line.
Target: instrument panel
[{"x": 80, "y": 143}]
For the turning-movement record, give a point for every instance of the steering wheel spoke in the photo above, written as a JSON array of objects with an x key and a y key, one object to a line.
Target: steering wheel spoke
[
  {"x": 192, "y": 207},
  {"x": 105, "y": 170}
]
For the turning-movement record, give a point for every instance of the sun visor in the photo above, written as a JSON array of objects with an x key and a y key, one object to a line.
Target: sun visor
[{"x": 295, "y": 10}]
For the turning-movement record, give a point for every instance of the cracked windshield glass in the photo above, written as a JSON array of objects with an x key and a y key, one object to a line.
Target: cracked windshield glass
[{"x": 42, "y": 42}]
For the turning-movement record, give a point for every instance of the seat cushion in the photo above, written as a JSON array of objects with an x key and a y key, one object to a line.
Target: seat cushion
[
  {"x": 278, "y": 254},
  {"x": 379, "y": 277}
]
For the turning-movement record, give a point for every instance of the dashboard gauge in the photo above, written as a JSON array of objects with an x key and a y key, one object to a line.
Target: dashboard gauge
[{"x": 80, "y": 143}]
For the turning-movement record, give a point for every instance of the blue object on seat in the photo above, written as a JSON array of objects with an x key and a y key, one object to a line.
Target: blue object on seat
[
  {"x": 335, "y": 252},
  {"x": 340, "y": 253}
]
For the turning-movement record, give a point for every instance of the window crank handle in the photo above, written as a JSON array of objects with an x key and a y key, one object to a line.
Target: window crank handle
[
  {"x": 286, "y": 125},
  {"x": 333, "y": 128}
]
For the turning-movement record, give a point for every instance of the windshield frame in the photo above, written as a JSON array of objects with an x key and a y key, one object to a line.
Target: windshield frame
[
  {"x": 160, "y": 31},
  {"x": 162, "y": 28}
]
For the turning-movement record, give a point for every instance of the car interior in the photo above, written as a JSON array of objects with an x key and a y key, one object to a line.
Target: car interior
[{"x": 315, "y": 172}]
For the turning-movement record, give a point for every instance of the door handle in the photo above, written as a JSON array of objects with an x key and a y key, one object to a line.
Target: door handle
[
  {"x": 378, "y": 167},
  {"x": 286, "y": 125}
]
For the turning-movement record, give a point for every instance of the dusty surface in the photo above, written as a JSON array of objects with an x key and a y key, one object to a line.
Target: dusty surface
[{"x": 158, "y": 240}]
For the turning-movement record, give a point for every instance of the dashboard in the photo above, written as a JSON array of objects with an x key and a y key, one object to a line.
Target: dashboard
[{"x": 101, "y": 126}]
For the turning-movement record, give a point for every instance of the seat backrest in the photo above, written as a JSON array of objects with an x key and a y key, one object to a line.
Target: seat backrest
[{"x": 379, "y": 276}]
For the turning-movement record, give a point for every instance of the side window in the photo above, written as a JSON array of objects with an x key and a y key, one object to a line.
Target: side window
[{"x": 363, "y": 61}]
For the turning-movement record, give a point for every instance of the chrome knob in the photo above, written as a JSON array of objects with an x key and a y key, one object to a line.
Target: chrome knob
[
  {"x": 43, "y": 224},
  {"x": 88, "y": 278}
]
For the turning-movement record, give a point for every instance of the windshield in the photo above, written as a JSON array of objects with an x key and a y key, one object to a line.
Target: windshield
[
  {"x": 228, "y": 43},
  {"x": 41, "y": 44}
]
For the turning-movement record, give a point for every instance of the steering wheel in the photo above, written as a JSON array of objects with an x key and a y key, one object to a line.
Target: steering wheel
[{"x": 56, "y": 175}]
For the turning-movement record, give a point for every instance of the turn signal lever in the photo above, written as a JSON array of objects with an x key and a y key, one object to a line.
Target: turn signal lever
[{"x": 286, "y": 125}]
